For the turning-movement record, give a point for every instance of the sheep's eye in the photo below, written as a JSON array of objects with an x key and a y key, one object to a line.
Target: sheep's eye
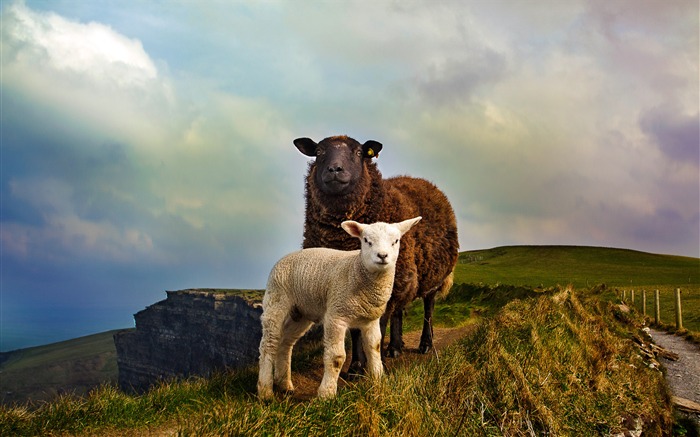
[
  {"x": 396, "y": 242},
  {"x": 319, "y": 152},
  {"x": 359, "y": 153},
  {"x": 367, "y": 241}
]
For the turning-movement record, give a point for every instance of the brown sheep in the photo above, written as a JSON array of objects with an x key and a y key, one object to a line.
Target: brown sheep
[{"x": 343, "y": 183}]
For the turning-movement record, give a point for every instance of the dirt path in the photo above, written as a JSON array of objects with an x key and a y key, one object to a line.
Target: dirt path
[{"x": 683, "y": 376}]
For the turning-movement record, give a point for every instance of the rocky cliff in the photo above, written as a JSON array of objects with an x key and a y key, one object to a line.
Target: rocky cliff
[{"x": 192, "y": 332}]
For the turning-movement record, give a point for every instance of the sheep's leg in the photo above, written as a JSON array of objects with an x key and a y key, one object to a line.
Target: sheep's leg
[
  {"x": 359, "y": 360},
  {"x": 292, "y": 330},
  {"x": 396, "y": 335},
  {"x": 333, "y": 357},
  {"x": 426, "y": 338},
  {"x": 372, "y": 343},
  {"x": 383, "y": 321}
]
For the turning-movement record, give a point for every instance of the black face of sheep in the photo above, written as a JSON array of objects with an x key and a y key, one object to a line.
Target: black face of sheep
[{"x": 339, "y": 161}]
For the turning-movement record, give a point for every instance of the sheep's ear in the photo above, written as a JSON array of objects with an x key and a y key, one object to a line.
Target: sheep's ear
[
  {"x": 405, "y": 225},
  {"x": 307, "y": 146},
  {"x": 353, "y": 228},
  {"x": 371, "y": 149}
]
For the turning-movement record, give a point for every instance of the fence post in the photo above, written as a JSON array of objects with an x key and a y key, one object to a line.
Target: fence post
[
  {"x": 624, "y": 296},
  {"x": 679, "y": 312},
  {"x": 632, "y": 297},
  {"x": 644, "y": 303},
  {"x": 657, "y": 308}
]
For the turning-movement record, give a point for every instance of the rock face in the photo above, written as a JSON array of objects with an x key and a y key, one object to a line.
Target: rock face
[{"x": 192, "y": 332}]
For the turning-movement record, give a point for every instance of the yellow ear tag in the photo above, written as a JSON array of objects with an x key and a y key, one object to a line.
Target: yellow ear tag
[{"x": 370, "y": 152}]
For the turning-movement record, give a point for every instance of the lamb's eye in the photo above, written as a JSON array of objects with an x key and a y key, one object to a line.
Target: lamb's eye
[
  {"x": 367, "y": 241},
  {"x": 359, "y": 153},
  {"x": 319, "y": 152}
]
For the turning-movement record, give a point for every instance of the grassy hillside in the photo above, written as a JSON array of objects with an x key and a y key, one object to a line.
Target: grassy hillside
[
  {"x": 73, "y": 366},
  {"x": 584, "y": 267},
  {"x": 581, "y": 266},
  {"x": 539, "y": 360},
  {"x": 555, "y": 363}
]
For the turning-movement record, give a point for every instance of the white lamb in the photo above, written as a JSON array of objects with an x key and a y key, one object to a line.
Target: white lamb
[{"x": 342, "y": 289}]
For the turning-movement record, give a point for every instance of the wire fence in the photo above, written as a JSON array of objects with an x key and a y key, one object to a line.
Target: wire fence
[{"x": 642, "y": 295}]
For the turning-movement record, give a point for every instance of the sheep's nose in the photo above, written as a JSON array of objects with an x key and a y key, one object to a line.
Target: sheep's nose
[
  {"x": 335, "y": 169},
  {"x": 383, "y": 256}
]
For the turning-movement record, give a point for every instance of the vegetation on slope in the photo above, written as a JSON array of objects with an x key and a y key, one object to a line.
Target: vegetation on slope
[
  {"x": 537, "y": 362},
  {"x": 40, "y": 373},
  {"x": 580, "y": 266},
  {"x": 584, "y": 267},
  {"x": 554, "y": 363}
]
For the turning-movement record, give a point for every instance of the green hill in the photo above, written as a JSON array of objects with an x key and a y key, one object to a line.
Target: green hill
[
  {"x": 581, "y": 266},
  {"x": 72, "y": 366}
]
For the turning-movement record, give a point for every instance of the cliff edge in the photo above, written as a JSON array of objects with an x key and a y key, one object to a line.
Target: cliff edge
[{"x": 191, "y": 332}]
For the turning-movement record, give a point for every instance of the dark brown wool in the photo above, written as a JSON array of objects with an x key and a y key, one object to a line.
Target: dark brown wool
[{"x": 428, "y": 252}]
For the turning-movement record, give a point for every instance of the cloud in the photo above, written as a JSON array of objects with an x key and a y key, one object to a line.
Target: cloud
[
  {"x": 149, "y": 146},
  {"x": 546, "y": 152},
  {"x": 85, "y": 76},
  {"x": 63, "y": 234},
  {"x": 126, "y": 165},
  {"x": 92, "y": 51},
  {"x": 675, "y": 133}
]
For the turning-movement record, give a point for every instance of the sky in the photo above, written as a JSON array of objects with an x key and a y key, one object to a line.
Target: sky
[{"x": 147, "y": 146}]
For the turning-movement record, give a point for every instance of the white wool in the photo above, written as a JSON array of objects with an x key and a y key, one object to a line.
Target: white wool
[{"x": 342, "y": 290}]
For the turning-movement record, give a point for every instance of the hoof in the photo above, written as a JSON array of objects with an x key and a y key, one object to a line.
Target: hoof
[
  {"x": 393, "y": 353},
  {"x": 265, "y": 396},
  {"x": 425, "y": 348},
  {"x": 265, "y": 393},
  {"x": 356, "y": 370}
]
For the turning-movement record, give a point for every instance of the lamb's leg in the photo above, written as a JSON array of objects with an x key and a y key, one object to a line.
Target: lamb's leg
[
  {"x": 372, "y": 343},
  {"x": 292, "y": 330},
  {"x": 359, "y": 360},
  {"x": 426, "y": 338},
  {"x": 396, "y": 335},
  {"x": 268, "y": 351},
  {"x": 333, "y": 357}
]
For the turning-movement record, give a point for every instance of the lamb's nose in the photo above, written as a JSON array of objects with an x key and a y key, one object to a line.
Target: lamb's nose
[{"x": 383, "y": 256}]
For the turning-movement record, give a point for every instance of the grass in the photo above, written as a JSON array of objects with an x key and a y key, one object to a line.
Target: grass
[
  {"x": 540, "y": 361},
  {"x": 40, "y": 373},
  {"x": 582, "y": 267},
  {"x": 77, "y": 348},
  {"x": 556, "y": 363},
  {"x": 690, "y": 304},
  {"x": 466, "y": 303},
  {"x": 585, "y": 267},
  {"x": 254, "y": 295}
]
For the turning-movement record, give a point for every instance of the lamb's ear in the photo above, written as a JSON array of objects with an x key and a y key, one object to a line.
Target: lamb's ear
[
  {"x": 307, "y": 146},
  {"x": 353, "y": 228},
  {"x": 371, "y": 149},
  {"x": 405, "y": 225}
]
